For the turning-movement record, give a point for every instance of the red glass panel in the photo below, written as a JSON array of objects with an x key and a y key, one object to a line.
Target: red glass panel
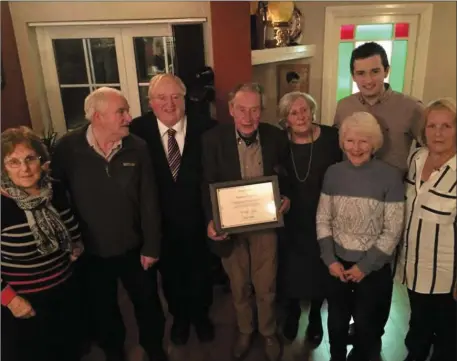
[
  {"x": 401, "y": 30},
  {"x": 347, "y": 32}
]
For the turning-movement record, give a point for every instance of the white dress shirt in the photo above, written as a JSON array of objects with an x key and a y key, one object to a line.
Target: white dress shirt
[
  {"x": 180, "y": 135},
  {"x": 427, "y": 262}
]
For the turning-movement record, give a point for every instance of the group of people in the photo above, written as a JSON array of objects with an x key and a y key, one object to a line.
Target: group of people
[{"x": 123, "y": 199}]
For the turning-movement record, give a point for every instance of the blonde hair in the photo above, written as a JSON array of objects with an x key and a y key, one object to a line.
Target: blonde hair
[
  {"x": 156, "y": 79},
  {"x": 96, "y": 100},
  {"x": 288, "y": 99},
  {"x": 446, "y": 103},
  {"x": 363, "y": 123}
]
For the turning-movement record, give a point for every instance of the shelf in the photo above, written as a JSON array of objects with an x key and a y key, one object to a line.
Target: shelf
[{"x": 274, "y": 55}]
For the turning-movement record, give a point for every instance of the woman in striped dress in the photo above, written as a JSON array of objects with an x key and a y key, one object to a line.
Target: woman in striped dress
[
  {"x": 39, "y": 242},
  {"x": 427, "y": 262}
]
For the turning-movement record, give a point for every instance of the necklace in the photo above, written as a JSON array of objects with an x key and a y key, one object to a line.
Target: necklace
[{"x": 292, "y": 156}]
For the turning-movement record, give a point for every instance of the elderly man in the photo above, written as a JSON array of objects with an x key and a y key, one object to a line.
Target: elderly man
[
  {"x": 237, "y": 151},
  {"x": 174, "y": 144},
  {"x": 110, "y": 178}
]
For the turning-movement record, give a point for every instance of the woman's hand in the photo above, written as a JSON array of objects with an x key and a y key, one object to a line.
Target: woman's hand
[
  {"x": 337, "y": 270},
  {"x": 354, "y": 274},
  {"x": 21, "y": 308},
  {"x": 77, "y": 249}
]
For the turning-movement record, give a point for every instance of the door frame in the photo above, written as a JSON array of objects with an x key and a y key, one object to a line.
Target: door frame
[{"x": 330, "y": 56}]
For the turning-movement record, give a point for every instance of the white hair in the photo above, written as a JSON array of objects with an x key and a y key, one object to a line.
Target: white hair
[
  {"x": 362, "y": 123},
  {"x": 96, "y": 100},
  {"x": 156, "y": 79}
]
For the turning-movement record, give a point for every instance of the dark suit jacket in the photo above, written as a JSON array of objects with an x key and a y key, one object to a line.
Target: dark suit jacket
[
  {"x": 184, "y": 226},
  {"x": 221, "y": 163}
]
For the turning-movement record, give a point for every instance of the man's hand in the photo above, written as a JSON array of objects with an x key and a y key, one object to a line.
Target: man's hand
[
  {"x": 77, "y": 249},
  {"x": 212, "y": 234},
  {"x": 147, "y": 262},
  {"x": 354, "y": 274},
  {"x": 337, "y": 270},
  {"x": 21, "y": 308},
  {"x": 285, "y": 205}
]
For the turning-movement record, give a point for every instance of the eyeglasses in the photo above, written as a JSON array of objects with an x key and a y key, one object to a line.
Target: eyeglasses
[{"x": 29, "y": 160}]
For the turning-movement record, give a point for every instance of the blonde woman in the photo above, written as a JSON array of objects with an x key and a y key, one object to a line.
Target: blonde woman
[{"x": 427, "y": 262}]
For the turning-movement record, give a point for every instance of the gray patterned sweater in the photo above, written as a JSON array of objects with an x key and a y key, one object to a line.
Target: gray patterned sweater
[{"x": 360, "y": 216}]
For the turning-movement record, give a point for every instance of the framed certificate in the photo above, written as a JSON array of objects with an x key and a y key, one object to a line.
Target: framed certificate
[{"x": 246, "y": 205}]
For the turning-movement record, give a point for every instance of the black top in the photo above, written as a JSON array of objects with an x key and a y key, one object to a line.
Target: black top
[
  {"x": 116, "y": 201},
  {"x": 301, "y": 272}
]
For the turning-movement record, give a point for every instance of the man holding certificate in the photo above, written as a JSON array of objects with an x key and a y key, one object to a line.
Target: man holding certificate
[{"x": 243, "y": 179}]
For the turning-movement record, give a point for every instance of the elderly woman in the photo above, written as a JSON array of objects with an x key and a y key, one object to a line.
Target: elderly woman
[
  {"x": 39, "y": 242},
  {"x": 301, "y": 274},
  {"x": 359, "y": 224},
  {"x": 427, "y": 260}
]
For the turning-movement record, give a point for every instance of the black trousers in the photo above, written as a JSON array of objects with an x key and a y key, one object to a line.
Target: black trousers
[
  {"x": 433, "y": 321},
  {"x": 51, "y": 335},
  {"x": 187, "y": 283},
  {"x": 102, "y": 276},
  {"x": 363, "y": 301}
]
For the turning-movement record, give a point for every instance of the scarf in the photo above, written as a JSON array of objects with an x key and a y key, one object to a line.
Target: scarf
[
  {"x": 43, "y": 219},
  {"x": 248, "y": 140}
]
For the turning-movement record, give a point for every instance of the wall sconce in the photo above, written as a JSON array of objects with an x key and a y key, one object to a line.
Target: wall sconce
[{"x": 280, "y": 12}]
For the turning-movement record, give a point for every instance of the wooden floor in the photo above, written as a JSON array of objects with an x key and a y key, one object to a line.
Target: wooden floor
[{"x": 224, "y": 319}]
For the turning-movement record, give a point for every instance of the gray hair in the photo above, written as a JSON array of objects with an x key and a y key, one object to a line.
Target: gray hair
[
  {"x": 446, "y": 103},
  {"x": 364, "y": 123},
  {"x": 96, "y": 100},
  {"x": 288, "y": 99},
  {"x": 248, "y": 87},
  {"x": 156, "y": 79}
]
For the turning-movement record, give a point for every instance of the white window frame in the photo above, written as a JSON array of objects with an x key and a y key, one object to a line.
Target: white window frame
[
  {"x": 418, "y": 15},
  {"x": 123, "y": 37}
]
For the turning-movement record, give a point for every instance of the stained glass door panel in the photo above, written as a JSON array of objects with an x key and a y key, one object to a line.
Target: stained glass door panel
[{"x": 393, "y": 37}]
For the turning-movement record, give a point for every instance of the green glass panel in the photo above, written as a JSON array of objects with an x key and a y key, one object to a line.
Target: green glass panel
[
  {"x": 373, "y": 32},
  {"x": 398, "y": 64},
  {"x": 344, "y": 86}
]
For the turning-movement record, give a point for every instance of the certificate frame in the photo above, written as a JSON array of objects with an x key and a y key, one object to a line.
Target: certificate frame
[{"x": 214, "y": 189}]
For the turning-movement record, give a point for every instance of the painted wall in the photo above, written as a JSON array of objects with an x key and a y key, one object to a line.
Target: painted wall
[{"x": 14, "y": 110}]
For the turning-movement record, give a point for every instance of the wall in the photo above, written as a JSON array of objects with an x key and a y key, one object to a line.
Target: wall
[
  {"x": 23, "y": 13},
  {"x": 441, "y": 71},
  {"x": 14, "y": 110}
]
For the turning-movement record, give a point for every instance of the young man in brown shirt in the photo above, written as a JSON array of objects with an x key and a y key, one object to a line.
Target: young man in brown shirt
[{"x": 398, "y": 114}]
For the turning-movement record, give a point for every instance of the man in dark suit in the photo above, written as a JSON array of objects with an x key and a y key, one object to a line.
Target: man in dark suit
[
  {"x": 247, "y": 149},
  {"x": 174, "y": 141}
]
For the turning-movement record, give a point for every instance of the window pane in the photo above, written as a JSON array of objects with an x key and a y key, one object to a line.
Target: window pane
[
  {"x": 144, "y": 100},
  {"x": 71, "y": 66},
  {"x": 73, "y": 106},
  {"x": 104, "y": 60},
  {"x": 344, "y": 73},
  {"x": 152, "y": 57},
  {"x": 373, "y": 32},
  {"x": 347, "y": 32},
  {"x": 398, "y": 64}
]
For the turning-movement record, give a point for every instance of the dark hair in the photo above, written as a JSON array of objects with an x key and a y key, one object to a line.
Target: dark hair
[
  {"x": 291, "y": 75},
  {"x": 12, "y": 137},
  {"x": 368, "y": 50}
]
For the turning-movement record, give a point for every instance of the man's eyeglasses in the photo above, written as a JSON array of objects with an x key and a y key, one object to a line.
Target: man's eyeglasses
[{"x": 29, "y": 160}]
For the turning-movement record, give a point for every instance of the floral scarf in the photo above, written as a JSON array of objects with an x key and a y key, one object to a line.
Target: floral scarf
[{"x": 43, "y": 219}]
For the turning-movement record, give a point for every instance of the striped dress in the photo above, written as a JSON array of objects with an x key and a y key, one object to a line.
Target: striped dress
[
  {"x": 23, "y": 269},
  {"x": 427, "y": 261}
]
